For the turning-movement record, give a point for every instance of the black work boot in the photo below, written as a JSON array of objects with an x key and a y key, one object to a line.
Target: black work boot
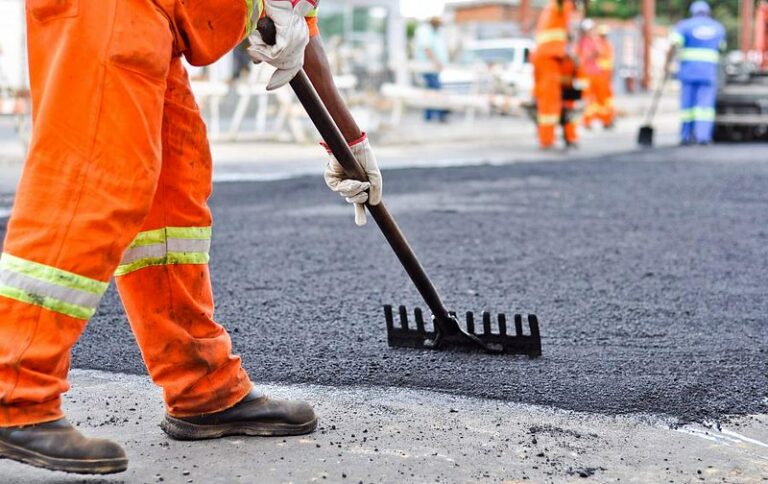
[
  {"x": 58, "y": 446},
  {"x": 255, "y": 415}
]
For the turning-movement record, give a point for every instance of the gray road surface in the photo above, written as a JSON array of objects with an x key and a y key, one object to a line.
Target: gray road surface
[
  {"x": 391, "y": 435},
  {"x": 648, "y": 272}
]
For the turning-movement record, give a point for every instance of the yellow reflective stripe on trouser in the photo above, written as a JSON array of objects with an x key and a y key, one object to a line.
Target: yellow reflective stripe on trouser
[
  {"x": 693, "y": 54},
  {"x": 704, "y": 114},
  {"x": 48, "y": 287},
  {"x": 551, "y": 35},
  {"x": 167, "y": 246},
  {"x": 548, "y": 119},
  {"x": 697, "y": 114}
]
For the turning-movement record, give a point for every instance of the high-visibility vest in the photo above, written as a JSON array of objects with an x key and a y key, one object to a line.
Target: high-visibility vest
[
  {"x": 552, "y": 29},
  {"x": 605, "y": 57},
  {"x": 587, "y": 50}
]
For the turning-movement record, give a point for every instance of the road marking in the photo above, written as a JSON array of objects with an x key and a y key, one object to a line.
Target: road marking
[
  {"x": 745, "y": 438},
  {"x": 709, "y": 435},
  {"x": 728, "y": 438}
]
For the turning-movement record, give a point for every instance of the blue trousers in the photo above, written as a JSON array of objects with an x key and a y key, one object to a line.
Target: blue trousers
[
  {"x": 698, "y": 111},
  {"x": 432, "y": 80}
]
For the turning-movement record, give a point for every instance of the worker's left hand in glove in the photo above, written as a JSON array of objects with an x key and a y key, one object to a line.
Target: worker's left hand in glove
[
  {"x": 354, "y": 191},
  {"x": 287, "y": 55}
]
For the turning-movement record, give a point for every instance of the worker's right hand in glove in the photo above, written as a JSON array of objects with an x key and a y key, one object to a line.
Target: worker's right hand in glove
[
  {"x": 355, "y": 191},
  {"x": 287, "y": 55}
]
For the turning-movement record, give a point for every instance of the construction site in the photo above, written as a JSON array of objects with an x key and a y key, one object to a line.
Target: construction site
[{"x": 553, "y": 269}]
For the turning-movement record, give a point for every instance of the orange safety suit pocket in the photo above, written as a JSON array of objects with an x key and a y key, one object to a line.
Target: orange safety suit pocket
[
  {"x": 45, "y": 10},
  {"x": 142, "y": 40}
]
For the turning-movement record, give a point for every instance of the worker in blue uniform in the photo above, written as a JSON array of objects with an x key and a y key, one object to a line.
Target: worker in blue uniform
[{"x": 698, "y": 40}]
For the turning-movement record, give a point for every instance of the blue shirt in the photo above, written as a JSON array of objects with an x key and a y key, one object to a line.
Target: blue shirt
[{"x": 700, "y": 40}]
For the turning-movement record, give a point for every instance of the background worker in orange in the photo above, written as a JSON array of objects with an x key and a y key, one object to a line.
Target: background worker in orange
[
  {"x": 587, "y": 52},
  {"x": 552, "y": 49},
  {"x": 604, "y": 80},
  {"x": 116, "y": 183}
]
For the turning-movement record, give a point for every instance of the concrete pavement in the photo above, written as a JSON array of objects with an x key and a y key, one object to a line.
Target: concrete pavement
[{"x": 387, "y": 435}]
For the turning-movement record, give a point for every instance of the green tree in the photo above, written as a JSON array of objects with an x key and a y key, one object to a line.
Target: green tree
[{"x": 670, "y": 12}]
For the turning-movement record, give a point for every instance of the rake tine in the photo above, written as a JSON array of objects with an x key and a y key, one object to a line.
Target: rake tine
[
  {"x": 470, "y": 322},
  {"x": 403, "y": 317},
  {"x": 519, "y": 324},
  {"x": 502, "y": 324},
  {"x": 419, "y": 320},
  {"x": 389, "y": 318},
  {"x": 486, "y": 322},
  {"x": 533, "y": 322}
]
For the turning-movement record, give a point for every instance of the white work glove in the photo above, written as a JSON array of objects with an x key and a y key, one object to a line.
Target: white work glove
[
  {"x": 287, "y": 55},
  {"x": 355, "y": 191}
]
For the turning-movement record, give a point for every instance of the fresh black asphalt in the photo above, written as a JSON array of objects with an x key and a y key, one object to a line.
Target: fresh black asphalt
[{"x": 648, "y": 271}]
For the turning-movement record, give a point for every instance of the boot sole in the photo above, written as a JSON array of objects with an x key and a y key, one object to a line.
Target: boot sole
[
  {"x": 180, "y": 430},
  {"x": 73, "y": 466}
]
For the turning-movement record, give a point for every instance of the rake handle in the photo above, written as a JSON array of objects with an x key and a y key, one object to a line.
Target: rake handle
[
  {"x": 332, "y": 136},
  {"x": 656, "y": 99},
  {"x": 338, "y": 145}
]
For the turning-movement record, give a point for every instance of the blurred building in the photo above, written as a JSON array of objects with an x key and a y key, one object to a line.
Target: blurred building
[
  {"x": 481, "y": 19},
  {"x": 13, "y": 72},
  {"x": 368, "y": 38}
]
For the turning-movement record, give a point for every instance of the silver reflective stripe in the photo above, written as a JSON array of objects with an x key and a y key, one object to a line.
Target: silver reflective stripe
[
  {"x": 49, "y": 287},
  {"x": 189, "y": 245},
  {"x": 36, "y": 286},
  {"x": 169, "y": 245},
  {"x": 161, "y": 250},
  {"x": 143, "y": 252}
]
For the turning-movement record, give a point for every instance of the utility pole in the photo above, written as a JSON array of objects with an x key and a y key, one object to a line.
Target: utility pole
[
  {"x": 525, "y": 16},
  {"x": 747, "y": 16},
  {"x": 649, "y": 21}
]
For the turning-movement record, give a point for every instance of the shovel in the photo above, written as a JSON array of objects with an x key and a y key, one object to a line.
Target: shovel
[
  {"x": 446, "y": 331},
  {"x": 645, "y": 136}
]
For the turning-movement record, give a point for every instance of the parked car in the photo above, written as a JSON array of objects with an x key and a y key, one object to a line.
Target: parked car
[
  {"x": 742, "y": 102},
  {"x": 491, "y": 66}
]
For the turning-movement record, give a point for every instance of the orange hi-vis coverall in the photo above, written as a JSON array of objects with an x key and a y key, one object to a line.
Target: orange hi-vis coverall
[
  {"x": 549, "y": 69},
  {"x": 116, "y": 183},
  {"x": 570, "y": 75},
  {"x": 588, "y": 55},
  {"x": 603, "y": 90}
]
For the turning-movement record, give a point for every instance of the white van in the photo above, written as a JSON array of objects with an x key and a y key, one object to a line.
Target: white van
[{"x": 507, "y": 59}]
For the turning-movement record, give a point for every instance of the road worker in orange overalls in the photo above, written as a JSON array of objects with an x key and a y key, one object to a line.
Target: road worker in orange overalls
[
  {"x": 603, "y": 90},
  {"x": 571, "y": 80},
  {"x": 587, "y": 52},
  {"x": 116, "y": 184},
  {"x": 552, "y": 61}
]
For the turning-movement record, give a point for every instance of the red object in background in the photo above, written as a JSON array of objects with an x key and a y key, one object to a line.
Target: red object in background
[{"x": 761, "y": 33}]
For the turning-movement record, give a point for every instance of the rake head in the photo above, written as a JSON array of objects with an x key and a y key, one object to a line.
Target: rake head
[{"x": 492, "y": 336}]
